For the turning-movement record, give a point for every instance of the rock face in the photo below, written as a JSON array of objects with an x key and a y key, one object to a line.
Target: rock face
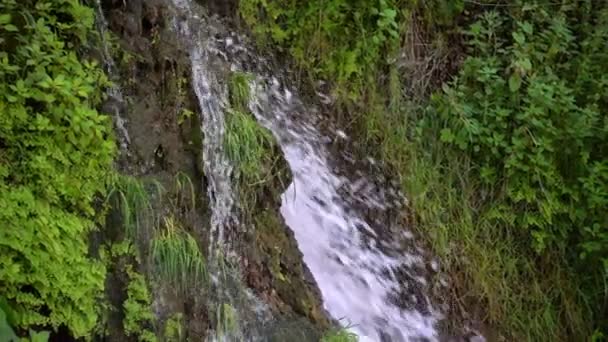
[
  {"x": 155, "y": 78},
  {"x": 276, "y": 269},
  {"x": 160, "y": 112}
]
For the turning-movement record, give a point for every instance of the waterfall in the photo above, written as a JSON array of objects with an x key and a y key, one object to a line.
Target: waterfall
[{"x": 373, "y": 276}]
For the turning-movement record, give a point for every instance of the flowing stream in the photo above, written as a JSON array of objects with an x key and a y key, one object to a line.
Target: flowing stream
[{"x": 349, "y": 225}]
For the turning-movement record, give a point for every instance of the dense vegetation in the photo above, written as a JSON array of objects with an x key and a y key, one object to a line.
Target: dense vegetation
[
  {"x": 55, "y": 154},
  {"x": 506, "y": 163}
]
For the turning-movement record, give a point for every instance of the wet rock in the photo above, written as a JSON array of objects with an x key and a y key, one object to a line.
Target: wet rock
[{"x": 154, "y": 93}]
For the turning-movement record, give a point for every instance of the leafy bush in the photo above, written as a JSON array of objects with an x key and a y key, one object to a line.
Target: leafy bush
[
  {"x": 55, "y": 152},
  {"x": 348, "y": 43},
  {"x": 530, "y": 109}
]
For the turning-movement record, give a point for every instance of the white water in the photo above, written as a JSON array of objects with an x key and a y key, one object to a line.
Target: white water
[
  {"x": 356, "y": 275},
  {"x": 211, "y": 95},
  {"x": 113, "y": 92},
  {"x": 371, "y": 275}
]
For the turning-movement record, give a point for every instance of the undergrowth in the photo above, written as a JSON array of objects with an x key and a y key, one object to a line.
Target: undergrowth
[
  {"x": 139, "y": 318},
  {"x": 56, "y": 154},
  {"x": 498, "y": 166}
]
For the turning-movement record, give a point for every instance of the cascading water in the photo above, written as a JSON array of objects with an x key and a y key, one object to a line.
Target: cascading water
[
  {"x": 371, "y": 275},
  {"x": 231, "y": 300},
  {"x": 115, "y": 103},
  {"x": 368, "y": 273}
]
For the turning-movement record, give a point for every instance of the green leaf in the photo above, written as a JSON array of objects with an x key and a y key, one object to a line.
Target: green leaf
[
  {"x": 5, "y": 19},
  {"x": 519, "y": 38},
  {"x": 525, "y": 64},
  {"x": 6, "y": 332},
  {"x": 514, "y": 82},
  {"x": 447, "y": 136},
  {"x": 10, "y": 28},
  {"x": 40, "y": 336}
]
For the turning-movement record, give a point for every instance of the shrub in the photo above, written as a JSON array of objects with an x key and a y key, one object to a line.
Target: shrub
[
  {"x": 529, "y": 109},
  {"x": 55, "y": 153}
]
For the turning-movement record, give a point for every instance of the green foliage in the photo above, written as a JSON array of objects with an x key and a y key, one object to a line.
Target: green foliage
[
  {"x": 349, "y": 43},
  {"x": 340, "y": 40},
  {"x": 524, "y": 297},
  {"x": 6, "y": 331},
  {"x": 55, "y": 155},
  {"x": 340, "y": 335},
  {"x": 226, "y": 319},
  {"x": 238, "y": 89},
  {"x": 174, "y": 328},
  {"x": 177, "y": 259},
  {"x": 134, "y": 200},
  {"x": 508, "y": 169},
  {"x": 528, "y": 108},
  {"x": 248, "y": 144},
  {"x": 138, "y": 308}
]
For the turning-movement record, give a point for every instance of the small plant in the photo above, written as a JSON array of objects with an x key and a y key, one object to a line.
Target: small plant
[
  {"x": 185, "y": 193},
  {"x": 139, "y": 317},
  {"x": 248, "y": 147},
  {"x": 174, "y": 328},
  {"x": 184, "y": 114},
  {"x": 177, "y": 259},
  {"x": 239, "y": 91},
  {"x": 139, "y": 217}
]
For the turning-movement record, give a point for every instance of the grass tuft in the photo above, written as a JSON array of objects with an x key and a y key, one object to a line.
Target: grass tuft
[
  {"x": 134, "y": 201},
  {"x": 177, "y": 259},
  {"x": 248, "y": 146},
  {"x": 238, "y": 89}
]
